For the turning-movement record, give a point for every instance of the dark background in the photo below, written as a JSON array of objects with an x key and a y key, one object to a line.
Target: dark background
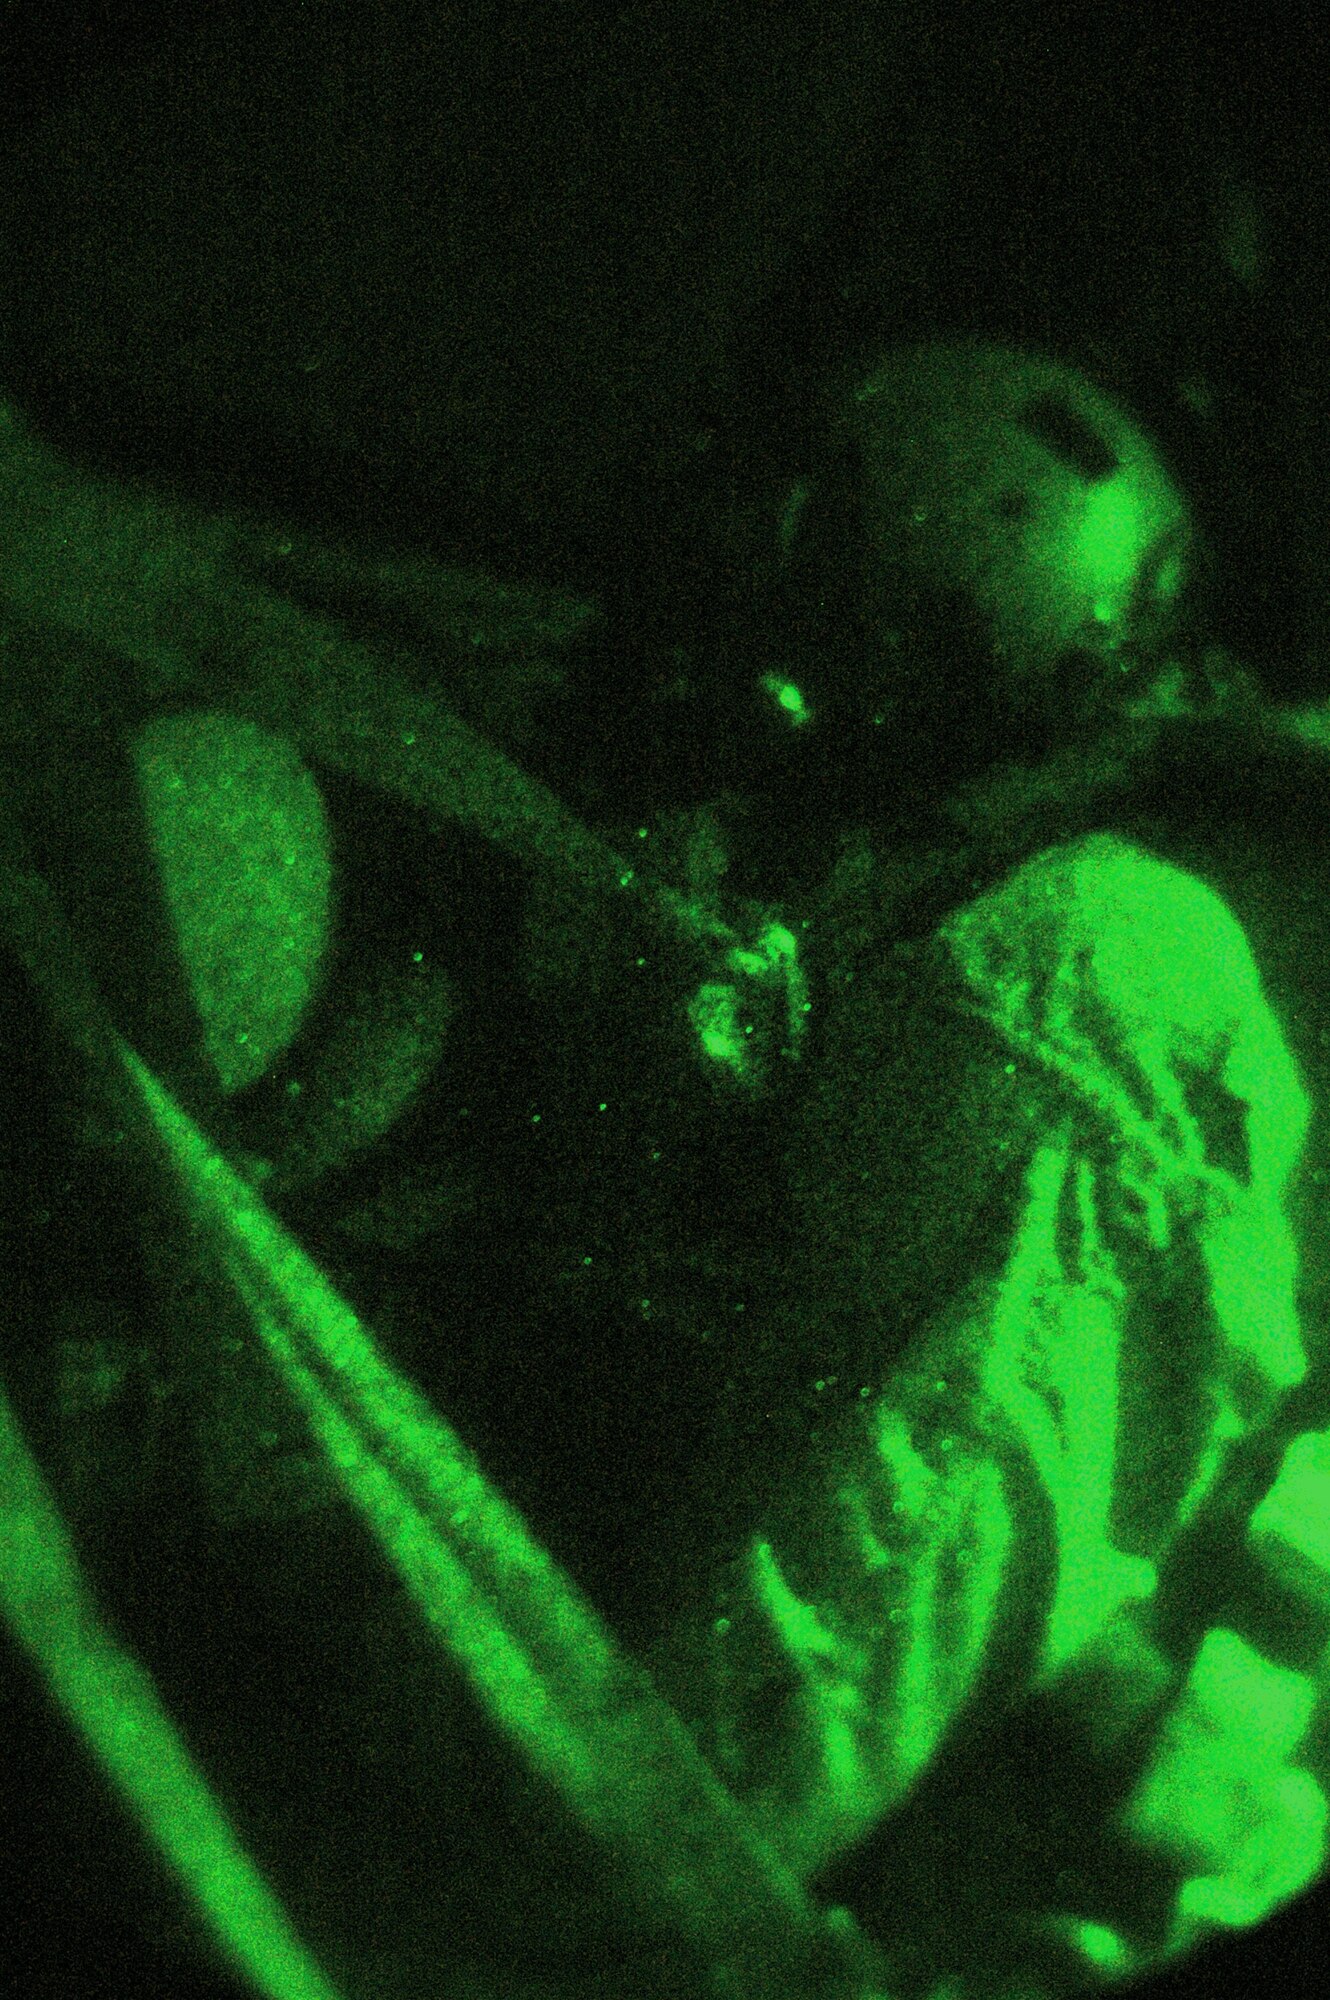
[{"x": 555, "y": 289}]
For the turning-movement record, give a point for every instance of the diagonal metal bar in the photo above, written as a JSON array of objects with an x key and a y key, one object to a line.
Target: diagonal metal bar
[
  {"x": 112, "y": 1701},
  {"x": 552, "y": 1677}
]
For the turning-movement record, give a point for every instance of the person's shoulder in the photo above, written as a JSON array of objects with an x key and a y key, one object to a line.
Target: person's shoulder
[
  {"x": 1104, "y": 877},
  {"x": 1102, "y": 915}
]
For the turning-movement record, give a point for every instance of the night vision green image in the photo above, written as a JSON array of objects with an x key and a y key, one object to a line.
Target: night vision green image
[{"x": 664, "y": 739}]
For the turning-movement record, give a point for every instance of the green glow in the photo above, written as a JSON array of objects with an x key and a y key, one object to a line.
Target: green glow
[
  {"x": 769, "y": 991},
  {"x": 714, "y": 1013},
  {"x": 1290, "y": 1529},
  {"x": 242, "y": 846},
  {"x": 1101, "y": 1947},
  {"x": 773, "y": 963},
  {"x": 112, "y": 1701},
  {"x": 1123, "y": 979},
  {"x": 878, "y": 1685},
  {"x": 550, "y": 1675},
  {"x": 1165, "y": 948},
  {"x": 1110, "y": 542},
  {"x": 1220, "y": 1797},
  {"x": 787, "y": 697},
  {"x": 1127, "y": 945}
]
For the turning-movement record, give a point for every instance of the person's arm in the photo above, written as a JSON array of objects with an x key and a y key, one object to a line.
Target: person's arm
[{"x": 1046, "y": 1179}]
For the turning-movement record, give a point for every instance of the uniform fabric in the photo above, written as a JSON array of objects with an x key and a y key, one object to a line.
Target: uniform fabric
[{"x": 1070, "y": 1120}]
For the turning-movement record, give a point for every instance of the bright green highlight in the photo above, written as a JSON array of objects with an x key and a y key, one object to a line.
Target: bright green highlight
[
  {"x": 833, "y": 1673},
  {"x": 242, "y": 845},
  {"x": 774, "y": 961},
  {"x": 1010, "y": 478},
  {"x": 714, "y": 1013},
  {"x": 787, "y": 697},
  {"x": 1101, "y": 1947},
  {"x": 880, "y": 1671},
  {"x": 1291, "y": 1527},
  {"x": 1223, "y": 1799},
  {"x": 1075, "y": 1455},
  {"x": 1221, "y": 1796},
  {"x": 1110, "y": 542},
  {"x": 1098, "y": 962},
  {"x": 769, "y": 990},
  {"x": 111, "y": 1700},
  {"x": 551, "y": 1676},
  {"x": 547, "y": 1670}
]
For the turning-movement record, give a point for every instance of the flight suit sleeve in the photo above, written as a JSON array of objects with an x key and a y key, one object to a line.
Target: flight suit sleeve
[{"x": 1049, "y": 1168}]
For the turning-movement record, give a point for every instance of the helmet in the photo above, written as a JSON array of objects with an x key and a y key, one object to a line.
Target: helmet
[{"x": 1009, "y": 481}]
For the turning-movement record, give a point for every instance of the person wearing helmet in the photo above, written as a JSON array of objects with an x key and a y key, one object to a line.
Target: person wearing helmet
[
  {"x": 1053, "y": 1162},
  {"x": 1011, "y": 480},
  {"x": 908, "y": 1417}
]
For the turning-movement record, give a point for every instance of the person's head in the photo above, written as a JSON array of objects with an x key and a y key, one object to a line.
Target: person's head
[
  {"x": 1014, "y": 516},
  {"x": 988, "y": 566}
]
